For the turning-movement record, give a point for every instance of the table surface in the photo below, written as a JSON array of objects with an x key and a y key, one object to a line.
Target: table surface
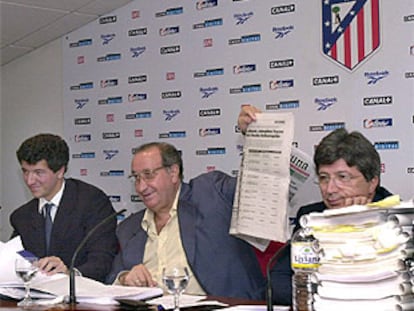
[{"x": 9, "y": 304}]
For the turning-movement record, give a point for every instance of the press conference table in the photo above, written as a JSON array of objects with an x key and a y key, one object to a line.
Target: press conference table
[{"x": 12, "y": 305}]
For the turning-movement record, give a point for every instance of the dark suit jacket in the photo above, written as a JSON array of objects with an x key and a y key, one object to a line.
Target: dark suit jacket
[
  {"x": 281, "y": 273},
  {"x": 82, "y": 206},
  {"x": 223, "y": 265}
]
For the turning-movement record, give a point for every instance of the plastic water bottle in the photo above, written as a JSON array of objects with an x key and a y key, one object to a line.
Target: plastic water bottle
[{"x": 304, "y": 261}]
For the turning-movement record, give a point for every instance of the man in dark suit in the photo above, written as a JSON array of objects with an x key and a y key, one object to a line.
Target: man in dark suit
[
  {"x": 184, "y": 224},
  {"x": 75, "y": 208}
]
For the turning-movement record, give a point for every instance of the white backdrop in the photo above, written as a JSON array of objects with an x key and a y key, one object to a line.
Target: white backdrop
[{"x": 179, "y": 71}]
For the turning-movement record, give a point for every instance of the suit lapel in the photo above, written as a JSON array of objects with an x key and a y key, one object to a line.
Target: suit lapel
[
  {"x": 64, "y": 213},
  {"x": 133, "y": 240},
  {"x": 187, "y": 220},
  {"x": 36, "y": 241}
]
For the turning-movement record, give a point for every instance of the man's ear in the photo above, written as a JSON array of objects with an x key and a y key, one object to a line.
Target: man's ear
[
  {"x": 373, "y": 184},
  {"x": 175, "y": 172},
  {"x": 61, "y": 172}
]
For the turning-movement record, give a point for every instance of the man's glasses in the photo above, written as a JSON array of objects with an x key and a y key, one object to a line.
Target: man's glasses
[
  {"x": 339, "y": 179},
  {"x": 145, "y": 175}
]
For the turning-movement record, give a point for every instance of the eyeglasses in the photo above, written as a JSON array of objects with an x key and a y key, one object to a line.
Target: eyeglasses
[
  {"x": 340, "y": 179},
  {"x": 146, "y": 175}
]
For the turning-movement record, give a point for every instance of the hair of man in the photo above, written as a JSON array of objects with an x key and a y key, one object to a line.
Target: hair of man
[
  {"x": 49, "y": 147},
  {"x": 354, "y": 148},
  {"x": 169, "y": 155}
]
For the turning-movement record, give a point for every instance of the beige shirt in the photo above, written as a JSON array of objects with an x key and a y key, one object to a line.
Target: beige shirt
[{"x": 166, "y": 249}]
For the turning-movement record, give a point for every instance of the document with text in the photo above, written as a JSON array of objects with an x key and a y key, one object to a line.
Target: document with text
[
  {"x": 303, "y": 188},
  {"x": 262, "y": 194}
]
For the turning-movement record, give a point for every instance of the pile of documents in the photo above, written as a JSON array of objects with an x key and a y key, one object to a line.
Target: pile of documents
[{"x": 366, "y": 257}]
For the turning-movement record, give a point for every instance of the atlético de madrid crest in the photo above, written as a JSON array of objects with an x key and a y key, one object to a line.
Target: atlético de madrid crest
[{"x": 350, "y": 30}]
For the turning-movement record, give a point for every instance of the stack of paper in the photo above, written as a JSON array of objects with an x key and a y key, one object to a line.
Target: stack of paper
[{"x": 366, "y": 257}]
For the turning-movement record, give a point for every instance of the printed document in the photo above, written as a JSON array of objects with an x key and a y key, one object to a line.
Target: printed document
[
  {"x": 303, "y": 187},
  {"x": 262, "y": 194}
]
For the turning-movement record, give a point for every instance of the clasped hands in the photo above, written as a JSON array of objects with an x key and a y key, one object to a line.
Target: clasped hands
[{"x": 356, "y": 200}]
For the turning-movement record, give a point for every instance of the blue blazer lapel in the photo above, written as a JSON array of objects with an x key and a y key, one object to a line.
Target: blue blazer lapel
[
  {"x": 135, "y": 241},
  {"x": 187, "y": 220}
]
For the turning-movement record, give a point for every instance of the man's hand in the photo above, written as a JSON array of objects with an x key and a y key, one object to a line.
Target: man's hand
[
  {"x": 357, "y": 200},
  {"x": 52, "y": 265},
  {"x": 138, "y": 276},
  {"x": 247, "y": 115}
]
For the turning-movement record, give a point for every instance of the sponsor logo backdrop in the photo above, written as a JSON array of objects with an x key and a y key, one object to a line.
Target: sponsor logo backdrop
[{"x": 179, "y": 71}]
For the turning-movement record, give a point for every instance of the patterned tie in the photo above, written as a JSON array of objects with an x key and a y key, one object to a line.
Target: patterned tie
[{"x": 48, "y": 224}]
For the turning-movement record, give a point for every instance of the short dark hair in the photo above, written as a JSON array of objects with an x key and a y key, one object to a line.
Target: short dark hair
[
  {"x": 51, "y": 148},
  {"x": 169, "y": 155},
  {"x": 354, "y": 148}
]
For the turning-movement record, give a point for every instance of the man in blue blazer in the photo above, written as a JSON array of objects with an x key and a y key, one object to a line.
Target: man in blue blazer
[
  {"x": 77, "y": 208},
  {"x": 184, "y": 224}
]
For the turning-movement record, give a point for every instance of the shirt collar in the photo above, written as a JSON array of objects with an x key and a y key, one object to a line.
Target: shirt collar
[
  {"x": 55, "y": 200},
  {"x": 148, "y": 219}
]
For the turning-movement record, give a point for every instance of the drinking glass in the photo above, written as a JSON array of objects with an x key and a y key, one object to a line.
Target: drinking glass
[
  {"x": 175, "y": 280},
  {"x": 26, "y": 269}
]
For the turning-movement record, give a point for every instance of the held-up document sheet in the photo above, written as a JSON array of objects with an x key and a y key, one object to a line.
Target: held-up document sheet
[{"x": 262, "y": 193}]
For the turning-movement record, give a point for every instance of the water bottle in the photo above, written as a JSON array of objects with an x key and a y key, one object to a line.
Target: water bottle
[{"x": 304, "y": 262}]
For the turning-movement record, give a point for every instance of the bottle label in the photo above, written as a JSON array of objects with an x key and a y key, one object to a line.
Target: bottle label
[{"x": 303, "y": 256}]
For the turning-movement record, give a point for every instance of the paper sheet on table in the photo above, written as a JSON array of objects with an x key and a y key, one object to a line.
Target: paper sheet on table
[
  {"x": 8, "y": 255},
  {"x": 44, "y": 286},
  {"x": 8, "y": 277},
  {"x": 167, "y": 301},
  {"x": 87, "y": 290},
  {"x": 261, "y": 198},
  {"x": 19, "y": 292},
  {"x": 255, "y": 308}
]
